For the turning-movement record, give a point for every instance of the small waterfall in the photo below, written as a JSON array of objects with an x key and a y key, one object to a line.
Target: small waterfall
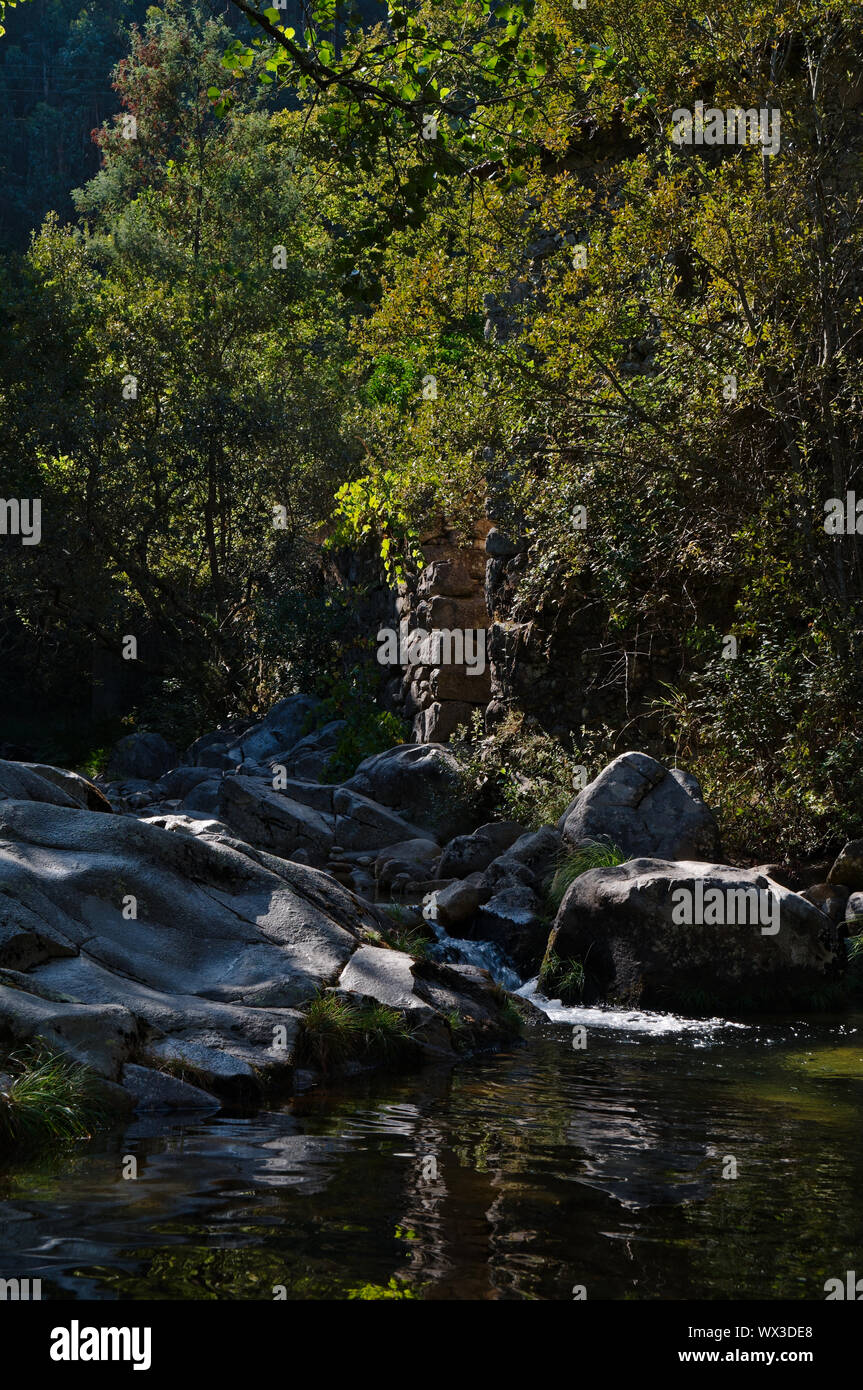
[
  {"x": 485, "y": 954},
  {"x": 451, "y": 950}
]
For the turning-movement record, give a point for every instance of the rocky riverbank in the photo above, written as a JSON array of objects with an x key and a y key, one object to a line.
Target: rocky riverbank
[{"x": 213, "y": 926}]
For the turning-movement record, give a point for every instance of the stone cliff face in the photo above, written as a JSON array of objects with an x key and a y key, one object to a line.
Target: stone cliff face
[
  {"x": 553, "y": 663},
  {"x": 449, "y": 597},
  {"x": 556, "y": 662}
]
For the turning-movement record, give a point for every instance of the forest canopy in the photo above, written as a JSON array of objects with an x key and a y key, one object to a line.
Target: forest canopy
[{"x": 645, "y": 357}]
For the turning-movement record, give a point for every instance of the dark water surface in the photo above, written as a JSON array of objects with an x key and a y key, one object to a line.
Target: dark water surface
[{"x": 555, "y": 1168}]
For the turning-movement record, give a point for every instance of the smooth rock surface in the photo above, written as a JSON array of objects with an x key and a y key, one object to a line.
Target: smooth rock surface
[
  {"x": 78, "y": 787},
  {"x": 176, "y": 945},
  {"x": 156, "y": 1090},
  {"x": 271, "y": 820},
  {"x": 623, "y": 925},
  {"x": 646, "y": 810}
]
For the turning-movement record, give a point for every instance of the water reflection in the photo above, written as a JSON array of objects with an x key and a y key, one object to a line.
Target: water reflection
[{"x": 515, "y": 1176}]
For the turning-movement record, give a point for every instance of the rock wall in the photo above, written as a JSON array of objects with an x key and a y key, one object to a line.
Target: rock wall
[
  {"x": 554, "y": 665},
  {"x": 448, "y": 597}
]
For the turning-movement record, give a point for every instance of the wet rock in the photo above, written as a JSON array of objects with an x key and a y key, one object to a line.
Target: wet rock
[
  {"x": 459, "y": 902},
  {"x": 155, "y": 1090},
  {"x": 513, "y": 919}
]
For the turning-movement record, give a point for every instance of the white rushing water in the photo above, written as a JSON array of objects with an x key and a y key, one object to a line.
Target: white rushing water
[
  {"x": 626, "y": 1020},
  {"x": 488, "y": 956},
  {"x": 483, "y": 954}
]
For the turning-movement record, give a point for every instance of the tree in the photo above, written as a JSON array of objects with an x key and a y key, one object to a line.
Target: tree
[{"x": 198, "y": 408}]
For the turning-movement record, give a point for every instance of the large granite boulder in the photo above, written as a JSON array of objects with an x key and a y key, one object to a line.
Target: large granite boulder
[
  {"x": 422, "y": 782},
  {"x": 363, "y": 824},
  {"x": 86, "y": 793},
  {"x": 273, "y": 821},
  {"x": 21, "y": 782},
  {"x": 696, "y": 937},
  {"x": 644, "y": 808},
  {"x": 141, "y": 757},
  {"x": 176, "y": 947}
]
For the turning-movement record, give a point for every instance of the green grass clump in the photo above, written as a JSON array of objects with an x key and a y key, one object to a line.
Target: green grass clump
[
  {"x": 48, "y": 1098},
  {"x": 406, "y": 935},
  {"x": 511, "y": 1017},
  {"x": 561, "y": 979},
  {"x": 593, "y": 854},
  {"x": 337, "y": 1031}
]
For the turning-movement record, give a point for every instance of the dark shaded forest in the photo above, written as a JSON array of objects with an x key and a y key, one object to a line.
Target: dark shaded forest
[{"x": 645, "y": 360}]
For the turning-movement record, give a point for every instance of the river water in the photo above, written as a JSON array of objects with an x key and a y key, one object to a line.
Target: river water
[{"x": 533, "y": 1173}]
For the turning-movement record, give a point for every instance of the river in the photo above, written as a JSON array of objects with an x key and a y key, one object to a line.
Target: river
[{"x": 543, "y": 1172}]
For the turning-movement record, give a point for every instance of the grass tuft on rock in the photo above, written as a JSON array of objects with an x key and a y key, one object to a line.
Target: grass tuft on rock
[
  {"x": 47, "y": 1098},
  {"x": 561, "y": 979},
  {"x": 592, "y": 854},
  {"x": 406, "y": 935},
  {"x": 338, "y": 1031}
]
